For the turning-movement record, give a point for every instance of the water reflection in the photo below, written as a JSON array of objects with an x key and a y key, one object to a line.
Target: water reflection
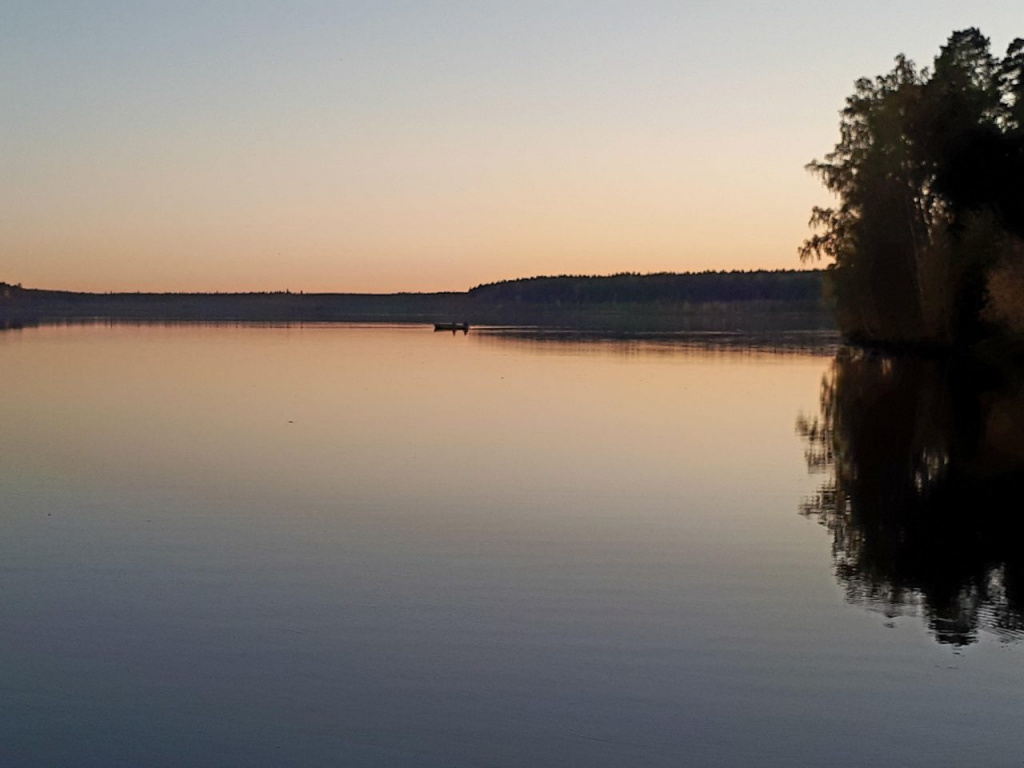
[
  {"x": 922, "y": 458},
  {"x": 765, "y": 343},
  {"x": 365, "y": 546}
]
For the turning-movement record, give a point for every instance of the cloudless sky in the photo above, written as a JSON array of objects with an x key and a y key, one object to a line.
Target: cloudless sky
[{"x": 388, "y": 146}]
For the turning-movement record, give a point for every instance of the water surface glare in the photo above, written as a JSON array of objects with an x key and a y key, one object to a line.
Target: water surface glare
[{"x": 381, "y": 546}]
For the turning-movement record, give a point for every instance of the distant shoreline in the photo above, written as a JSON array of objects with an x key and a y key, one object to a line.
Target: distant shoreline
[{"x": 784, "y": 299}]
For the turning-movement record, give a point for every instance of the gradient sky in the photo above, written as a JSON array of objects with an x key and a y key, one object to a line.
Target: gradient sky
[{"x": 388, "y": 146}]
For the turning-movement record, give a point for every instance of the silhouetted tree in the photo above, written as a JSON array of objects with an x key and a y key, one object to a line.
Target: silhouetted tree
[{"x": 928, "y": 174}]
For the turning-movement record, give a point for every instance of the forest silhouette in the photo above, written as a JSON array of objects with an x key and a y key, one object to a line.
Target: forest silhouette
[
  {"x": 623, "y": 302},
  {"x": 926, "y": 241},
  {"x": 922, "y": 451}
]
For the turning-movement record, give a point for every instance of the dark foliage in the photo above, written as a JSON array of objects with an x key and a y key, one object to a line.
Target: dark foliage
[
  {"x": 664, "y": 302},
  {"x": 929, "y": 172},
  {"x": 666, "y": 287}
]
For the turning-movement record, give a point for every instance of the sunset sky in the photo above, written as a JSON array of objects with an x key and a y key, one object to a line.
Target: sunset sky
[{"x": 391, "y": 146}]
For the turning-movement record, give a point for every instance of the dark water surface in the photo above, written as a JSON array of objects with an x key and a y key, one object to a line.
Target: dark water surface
[{"x": 373, "y": 546}]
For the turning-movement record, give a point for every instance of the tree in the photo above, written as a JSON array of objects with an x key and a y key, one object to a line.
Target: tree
[{"x": 927, "y": 176}]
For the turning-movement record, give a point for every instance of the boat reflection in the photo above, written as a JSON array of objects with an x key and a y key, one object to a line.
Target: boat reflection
[{"x": 923, "y": 463}]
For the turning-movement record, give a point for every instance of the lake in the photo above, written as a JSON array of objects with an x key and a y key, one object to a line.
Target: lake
[{"x": 383, "y": 546}]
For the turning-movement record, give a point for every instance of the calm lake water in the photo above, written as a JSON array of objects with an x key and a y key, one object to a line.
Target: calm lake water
[{"x": 384, "y": 546}]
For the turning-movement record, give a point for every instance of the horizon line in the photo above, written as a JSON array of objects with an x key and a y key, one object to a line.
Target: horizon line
[{"x": 301, "y": 292}]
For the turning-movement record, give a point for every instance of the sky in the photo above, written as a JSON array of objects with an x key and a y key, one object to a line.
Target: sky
[{"x": 421, "y": 146}]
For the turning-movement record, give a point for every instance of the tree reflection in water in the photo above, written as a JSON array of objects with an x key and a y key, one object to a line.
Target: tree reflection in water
[{"x": 923, "y": 461}]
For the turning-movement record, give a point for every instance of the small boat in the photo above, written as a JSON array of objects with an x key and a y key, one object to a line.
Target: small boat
[{"x": 453, "y": 327}]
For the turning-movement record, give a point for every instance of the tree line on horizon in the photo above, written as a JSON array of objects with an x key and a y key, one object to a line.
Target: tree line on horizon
[
  {"x": 789, "y": 286},
  {"x": 621, "y": 303},
  {"x": 710, "y": 286},
  {"x": 926, "y": 240}
]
